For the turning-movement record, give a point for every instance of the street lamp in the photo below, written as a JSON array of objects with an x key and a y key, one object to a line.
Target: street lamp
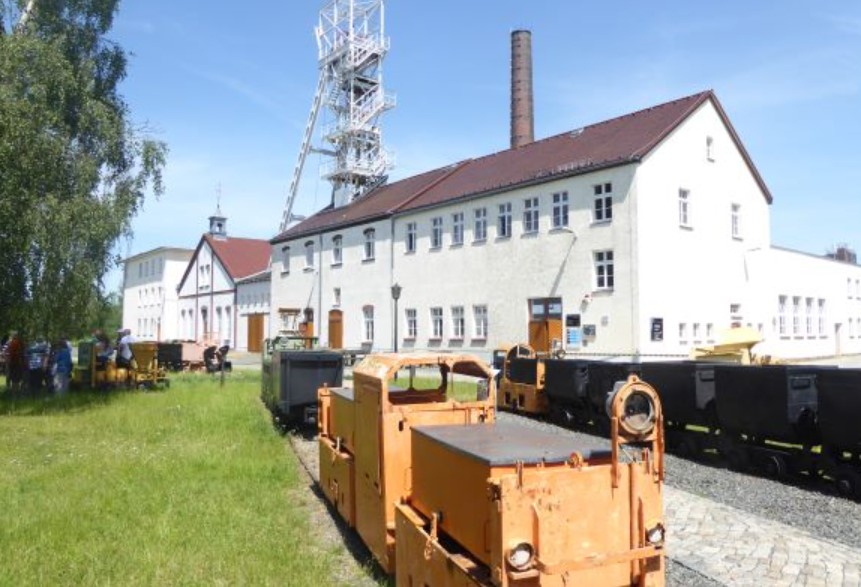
[{"x": 396, "y": 294}]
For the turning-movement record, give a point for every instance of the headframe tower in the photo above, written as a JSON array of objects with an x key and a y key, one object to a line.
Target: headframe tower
[{"x": 351, "y": 45}]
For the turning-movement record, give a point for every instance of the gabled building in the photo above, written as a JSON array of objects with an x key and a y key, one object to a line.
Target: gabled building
[
  {"x": 212, "y": 286},
  {"x": 636, "y": 236}
]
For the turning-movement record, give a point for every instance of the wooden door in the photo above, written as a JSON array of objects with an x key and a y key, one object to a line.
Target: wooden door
[
  {"x": 336, "y": 329},
  {"x": 255, "y": 333},
  {"x": 545, "y": 323}
]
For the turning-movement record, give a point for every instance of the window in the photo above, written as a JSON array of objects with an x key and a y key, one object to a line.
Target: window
[
  {"x": 560, "y": 210},
  {"x": 796, "y": 316},
  {"x": 411, "y": 237},
  {"x": 683, "y": 332},
  {"x": 710, "y": 149},
  {"x": 504, "y": 224},
  {"x": 808, "y": 316},
  {"x": 736, "y": 221},
  {"x": 685, "y": 208},
  {"x": 336, "y": 296},
  {"x": 479, "y": 316},
  {"x": 530, "y": 215},
  {"x": 604, "y": 269},
  {"x": 368, "y": 318},
  {"x": 370, "y": 238},
  {"x": 285, "y": 259},
  {"x": 781, "y": 315},
  {"x": 821, "y": 317},
  {"x": 603, "y": 202},
  {"x": 480, "y": 230},
  {"x": 457, "y": 229},
  {"x": 696, "y": 331},
  {"x": 436, "y": 232},
  {"x": 436, "y": 323},
  {"x": 337, "y": 250},
  {"x": 710, "y": 331},
  {"x": 309, "y": 255},
  {"x": 457, "y": 322},
  {"x": 412, "y": 323}
]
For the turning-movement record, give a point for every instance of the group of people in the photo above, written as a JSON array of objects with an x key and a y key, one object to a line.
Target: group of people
[{"x": 37, "y": 366}]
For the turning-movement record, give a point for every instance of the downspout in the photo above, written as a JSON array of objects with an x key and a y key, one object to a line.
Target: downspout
[
  {"x": 634, "y": 280},
  {"x": 392, "y": 276}
]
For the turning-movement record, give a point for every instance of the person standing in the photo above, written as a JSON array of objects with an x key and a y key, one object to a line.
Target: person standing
[
  {"x": 124, "y": 349},
  {"x": 14, "y": 363},
  {"x": 62, "y": 367}
]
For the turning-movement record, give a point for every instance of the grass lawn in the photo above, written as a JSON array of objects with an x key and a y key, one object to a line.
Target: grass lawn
[{"x": 189, "y": 485}]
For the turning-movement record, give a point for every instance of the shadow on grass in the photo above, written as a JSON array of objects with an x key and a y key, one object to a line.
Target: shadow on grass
[{"x": 45, "y": 403}]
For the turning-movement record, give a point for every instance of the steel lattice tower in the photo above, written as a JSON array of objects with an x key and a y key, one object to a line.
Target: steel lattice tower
[{"x": 351, "y": 46}]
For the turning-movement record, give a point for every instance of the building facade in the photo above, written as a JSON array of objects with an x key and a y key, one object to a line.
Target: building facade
[
  {"x": 208, "y": 293},
  {"x": 149, "y": 292},
  {"x": 644, "y": 235}
]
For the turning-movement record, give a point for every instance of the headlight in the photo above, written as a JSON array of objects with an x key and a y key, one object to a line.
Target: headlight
[
  {"x": 655, "y": 535},
  {"x": 521, "y": 556},
  {"x": 639, "y": 413}
]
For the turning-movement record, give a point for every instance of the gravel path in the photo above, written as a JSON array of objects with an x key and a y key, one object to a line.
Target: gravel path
[{"x": 812, "y": 509}]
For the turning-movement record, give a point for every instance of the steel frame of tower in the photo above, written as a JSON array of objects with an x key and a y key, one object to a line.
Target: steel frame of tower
[{"x": 351, "y": 46}]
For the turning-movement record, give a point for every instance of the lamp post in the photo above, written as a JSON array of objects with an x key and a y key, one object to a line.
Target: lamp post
[{"x": 396, "y": 294}]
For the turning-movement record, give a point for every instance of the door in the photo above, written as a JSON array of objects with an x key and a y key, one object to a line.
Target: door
[
  {"x": 545, "y": 323},
  {"x": 336, "y": 329},
  {"x": 255, "y": 333}
]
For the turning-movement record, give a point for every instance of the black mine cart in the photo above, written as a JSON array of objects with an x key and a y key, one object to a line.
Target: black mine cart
[{"x": 291, "y": 379}]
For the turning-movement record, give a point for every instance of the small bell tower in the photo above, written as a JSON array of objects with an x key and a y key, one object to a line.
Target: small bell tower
[{"x": 218, "y": 222}]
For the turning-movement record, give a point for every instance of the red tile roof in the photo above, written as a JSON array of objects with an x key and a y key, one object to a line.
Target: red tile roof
[
  {"x": 240, "y": 256},
  {"x": 618, "y": 141}
]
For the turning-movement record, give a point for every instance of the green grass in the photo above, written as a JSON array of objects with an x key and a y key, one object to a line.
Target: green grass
[{"x": 186, "y": 486}]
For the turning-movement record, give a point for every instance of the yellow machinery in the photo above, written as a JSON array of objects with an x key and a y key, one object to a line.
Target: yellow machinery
[
  {"x": 735, "y": 345},
  {"x": 145, "y": 368},
  {"x": 365, "y": 433},
  {"x": 145, "y": 371},
  {"x": 443, "y": 495},
  {"x": 521, "y": 385}
]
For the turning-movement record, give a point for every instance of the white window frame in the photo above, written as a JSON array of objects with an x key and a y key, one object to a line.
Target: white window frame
[
  {"x": 436, "y": 232},
  {"x": 368, "y": 323},
  {"x": 458, "y": 323},
  {"x": 479, "y": 322},
  {"x": 479, "y": 233},
  {"x": 336, "y": 297},
  {"x": 808, "y": 317},
  {"x": 530, "y": 215},
  {"x": 369, "y": 246},
  {"x": 411, "y": 318},
  {"x": 337, "y": 249},
  {"x": 605, "y": 275},
  {"x": 781, "y": 315},
  {"x": 560, "y": 210},
  {"x": 796, "y": 315},
  {"x": 309, "y": 255},
  {"x": 436, "y": 323},
  {"x": 710, "y": 148},
  {"x": 685, "y": 208},
  {"x": 735, "y": 211},
  {"x": 821, "y": 317},
  {"x": 411, "y": 237},
  {"x": 602, "y": 209},
  {"x": 683, "y": 333},
  {"x": 457, "y": 229},
  {"x": 503, "y": 226}
]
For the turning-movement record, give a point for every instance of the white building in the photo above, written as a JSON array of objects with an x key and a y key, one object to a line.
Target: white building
[
  {"x": 149, "y": 292},
  {"x": 209, "y": 293},
  {"x": 642, "y": 235}
]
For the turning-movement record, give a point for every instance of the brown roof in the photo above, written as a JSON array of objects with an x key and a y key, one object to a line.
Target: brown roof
[
  {"x": 618, "y": 141},
  {"x": 240, "y": 256}
]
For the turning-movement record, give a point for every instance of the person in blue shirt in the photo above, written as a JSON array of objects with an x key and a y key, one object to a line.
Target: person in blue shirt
[{"x": 62, "y": 367}]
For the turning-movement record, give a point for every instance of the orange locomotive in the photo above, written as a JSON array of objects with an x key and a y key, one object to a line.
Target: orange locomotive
[{"x": 443, "y": 495}]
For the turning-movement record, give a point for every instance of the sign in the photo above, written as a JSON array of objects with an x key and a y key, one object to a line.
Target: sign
[
  {"x": 572, "y": 320},
  {"x": 589, "y": 330},
  {"x": 575, "y": 338},
  {"x": 657, "y": 329}
]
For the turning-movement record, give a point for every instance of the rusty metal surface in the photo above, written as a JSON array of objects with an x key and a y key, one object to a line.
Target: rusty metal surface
[{"x": 506, "y": 443}]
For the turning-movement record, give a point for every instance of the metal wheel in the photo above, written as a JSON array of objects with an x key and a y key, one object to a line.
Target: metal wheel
[
  {"x": 775, "y": 466},
  {"x": 848, "y": 481}
]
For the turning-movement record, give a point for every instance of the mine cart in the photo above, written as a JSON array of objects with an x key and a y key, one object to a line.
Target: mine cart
[
  {"x": 291, "y": 379},
  {"x": 365, "y": 441},
  {"x": 565, "y": 383},
  {"x": 687, "y": 390},
  {"x": 839, "y": 412}
]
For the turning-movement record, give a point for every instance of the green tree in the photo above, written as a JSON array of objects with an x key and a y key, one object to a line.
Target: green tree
[{"x": 74, "y": 170}]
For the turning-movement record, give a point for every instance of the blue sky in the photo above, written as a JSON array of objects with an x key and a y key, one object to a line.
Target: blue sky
[{"x": 229, "y": 87}]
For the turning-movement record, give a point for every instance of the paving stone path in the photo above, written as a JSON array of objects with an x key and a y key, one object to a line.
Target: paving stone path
[{"x": 738, "y": 548}]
